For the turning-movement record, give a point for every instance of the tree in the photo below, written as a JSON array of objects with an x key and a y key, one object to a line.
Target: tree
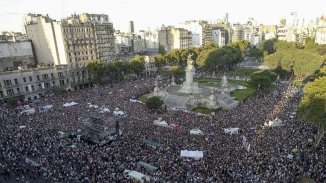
[
  {"x": 161, "y": 49},
  {"x": 243, "y": 45},
  {"x": 312, "y": 107},
  {"x": 254, "y": 52},
  {"x": 154, "y": 103},
  {"x": 178, "y": 73},
  {"x": 267, "y": 46},
  {"x": 137, "y": 65},
  {"x": 96, "y": 71},
  {"x": 262, "y": 80},
  {"x": 159, "y": 61}
]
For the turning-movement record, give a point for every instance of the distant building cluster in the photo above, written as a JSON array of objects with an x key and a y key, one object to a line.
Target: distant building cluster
[{"x": 51, "y": 54}]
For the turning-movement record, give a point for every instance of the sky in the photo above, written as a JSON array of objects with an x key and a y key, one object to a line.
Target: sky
[{"x": 154, "y": 13}]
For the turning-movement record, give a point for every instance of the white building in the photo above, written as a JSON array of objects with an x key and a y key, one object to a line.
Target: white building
[
  {"x": 150, "y": 67},
  {"x": 196, "y": 30},
  {"x": 218, "y": 37},
  {"x": 321, "y": 31},
  {"x": 44, "y": 33},
  {"x": 174, "y": 38},
  {"x": 150, "y": 40}
]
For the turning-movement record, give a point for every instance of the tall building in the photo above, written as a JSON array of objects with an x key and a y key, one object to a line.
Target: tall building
[
  {"x": 321, "y": 31},
  {"x": 173, "y": 38},
  {"x": 196, "y": 29},
  {"x": 88, "y": 37},
  {"x": 218, "y": 36},
  {"x": 47, "y": 39},
  {"x": 131, "y": 27},
  {"x": 237, "y": 32},
  {"x": 73, "y": 41},
  {"x": 150, "y": 40}
]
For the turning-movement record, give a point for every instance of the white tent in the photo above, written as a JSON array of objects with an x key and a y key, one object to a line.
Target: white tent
[
  {"x": 28, "y": 111},
  {"x": 231, "y": 130},
  {"x": 69, "y": 104},
  {"x": 118, "y": 113},
  {"x": 192, "y": 154},
  {"x": 21, "y": 127},
  {"x": 47, "y": 107},
  {"x": 161, "y": 123},
  {"x": 274, "y": 123},
  {"x": 130, "y": 174},
  {"x": 196, "y": 131}
]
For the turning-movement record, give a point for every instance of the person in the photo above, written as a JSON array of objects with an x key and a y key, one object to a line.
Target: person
[{"x": 117, "y": 127}]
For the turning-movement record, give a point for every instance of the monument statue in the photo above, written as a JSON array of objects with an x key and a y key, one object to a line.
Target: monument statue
[
  {"x": 189, "y": 86},
  {"x": 225, "y": 86}
]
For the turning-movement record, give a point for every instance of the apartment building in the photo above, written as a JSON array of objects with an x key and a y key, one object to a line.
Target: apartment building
[
  {"x": 36, "y": 82},
  {"x": 74, "y": 40},
  {"x": 47, "y": 39},
  {"x": 321, "y": 31},
  {"x": 174, "y": 38}
]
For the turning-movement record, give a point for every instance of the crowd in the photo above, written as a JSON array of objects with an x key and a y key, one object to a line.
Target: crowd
[{"x": 225, "y": 159}]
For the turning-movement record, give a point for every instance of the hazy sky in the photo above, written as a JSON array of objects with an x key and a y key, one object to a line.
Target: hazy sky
[{"x": 153, "y": 13}]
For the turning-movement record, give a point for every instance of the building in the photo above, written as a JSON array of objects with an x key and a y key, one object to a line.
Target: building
[
  {"x": 131, "y": 27},
  {"x": 13, "y": 37},
  {"x": 16, "y": 54},
  {"x": 47, "y": 39},
  {"x": 174, "y": 38},
  {"x": 88, "y": 37},
  {"x": 268, "y": 31},
  {"x": 237, "y": 32},
  {"x": 139, "y": 44},
  {"x": 37, "y": 82},
  {"x": 74, "y": 41},
  {"x": 321, "y": 31},
  {"x": 218, "y": 36},
  {"x": 150, "y": 68},
  {"x": 150, "y": 40},
  {"x": 196, "y": 29}
]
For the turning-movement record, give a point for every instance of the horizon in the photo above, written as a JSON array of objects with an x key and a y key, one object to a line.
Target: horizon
[{"x": 120, "y": 12}]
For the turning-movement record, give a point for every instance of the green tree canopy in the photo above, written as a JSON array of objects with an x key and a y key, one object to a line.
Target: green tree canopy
[
  {"x": 137, "y": 65},
  {"x": 178, "y": 72},
  {"x": 267, "y": 46},
  {"x": 215, "y": 59},
  {"x": 154, "y": 103},
  {"x": 300, "y": 62},
  {"x": 262, "y": 80},
  {"x": 312, "y": 107},
  {"x": 243, "y": 45}
]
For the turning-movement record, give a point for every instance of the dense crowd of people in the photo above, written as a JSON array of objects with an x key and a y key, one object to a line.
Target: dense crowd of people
[{"x": 225, "y": 159}]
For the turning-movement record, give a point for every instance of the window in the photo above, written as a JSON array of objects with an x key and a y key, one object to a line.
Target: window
[
  {"x": 18, "y": 90},
  {"x": 24, "y": 79},
  {"x": 52, "y": 76},
  {"x": 16, "y": 81},
  {"x": 38, "y": 77},
  {"x": 30, "y": 78},
  {"x": 32, "y": 87},
  {"x": 26, "y": 88},
  {"x": 53, "y": 83},
  {"x": 7, "y": 82}
]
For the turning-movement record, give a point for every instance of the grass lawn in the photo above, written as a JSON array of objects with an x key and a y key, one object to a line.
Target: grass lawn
[
  {"x": 217, "y": 82},
  {"x": 242, "y": 95},
  {"x": 143, "y": 98},
  {"x": 204, "y": 110},
  {"x": 243, "y": 72}
]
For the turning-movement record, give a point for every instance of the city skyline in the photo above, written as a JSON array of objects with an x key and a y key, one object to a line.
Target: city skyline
[{"x": 122, "y": 11}]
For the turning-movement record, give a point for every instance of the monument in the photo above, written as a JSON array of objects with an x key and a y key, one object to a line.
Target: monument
[
  {"x": 189, "y": 86},
  {"x": 190, "y": 94}
]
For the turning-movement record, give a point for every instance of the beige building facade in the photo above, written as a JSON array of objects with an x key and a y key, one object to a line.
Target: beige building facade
[
  {"x": 37, "y": 82},
  {"x": 174, "y": 38}
]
